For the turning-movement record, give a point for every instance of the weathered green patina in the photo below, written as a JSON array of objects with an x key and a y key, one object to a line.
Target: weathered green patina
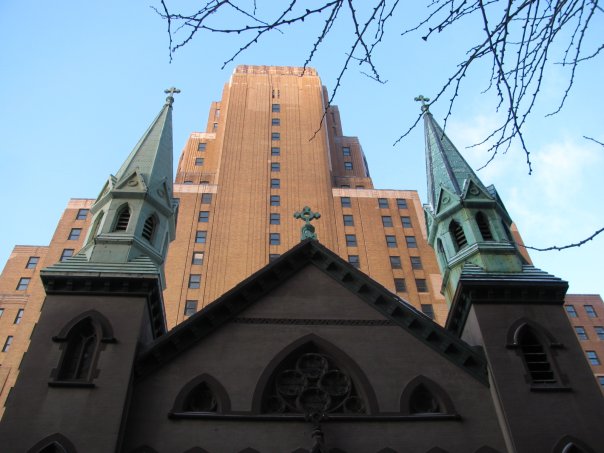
[{"x": 308, "y": 230}]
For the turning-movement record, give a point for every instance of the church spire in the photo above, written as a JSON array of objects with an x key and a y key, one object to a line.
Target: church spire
[
  {"x": 445, "y": 166},
  {"x": 133, "y": 218},
  {"x": 467, "y": 222}
]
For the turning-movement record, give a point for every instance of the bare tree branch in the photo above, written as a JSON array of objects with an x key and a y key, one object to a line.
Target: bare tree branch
[{"x": 563, "y": 247}]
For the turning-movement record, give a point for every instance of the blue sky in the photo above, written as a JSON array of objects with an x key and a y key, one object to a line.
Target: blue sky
[{"x": 82, "y": 80}]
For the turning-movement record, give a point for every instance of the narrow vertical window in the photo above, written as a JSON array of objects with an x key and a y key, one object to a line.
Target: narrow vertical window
[
  {"x": 345, "y": 201},
  {"x": 149, "y": 228},
  {"x": 190, "y": 307},
  {"x": 399, "y": 285},
  {"x": 275, "y": 218},
  {"x": 23, "y": 283},
  {"x": 391, "y": 241},
  {"x": 406, "y": 221},
  {"x": 348, "y": 166},
  {"x": 7, "y": 343},
  {"x": 123, "y": 218},
  {"x": 275, "y": 183},
  {"x": 591, "y": 312},
  {"x": 483, "y": 226},
  {"x": 457, "y": 234},
  {"x": 348, "y": 220},
  {"x": 194, "y": 281},
  {"x": 197, "y": 258},
  {"x": 422, "y": 285},
  {"x": 416, "y": 263},
  {"x": 351, "y": 240},
  {"x": 275, "y": 200},
  {"x": 395, "y": 262},
  {"x": 200, "y": 237},
  {"x": 535, "y": 357},
  {"x": 387, "y": 221},
  {"x": 82, "y": 343},
  {"x": 19, "y": 316},
  {"x": 401, "y": 203},
  {"x": 411, "y": 242}
]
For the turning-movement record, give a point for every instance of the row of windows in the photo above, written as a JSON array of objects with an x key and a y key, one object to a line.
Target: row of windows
[
  {"x": 18, "y": 316},
  {"x": 400, "y": 285},
  {"x": 582, "y": 333},
  {"x": 351, "y": 241},
  {"x": 383, "y": 203},
  {"x": 416, "y": 262},
  {"x": 589, "y": 309}
]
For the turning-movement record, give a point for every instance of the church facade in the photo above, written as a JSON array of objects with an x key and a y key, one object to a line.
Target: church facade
[{"x": 309, "y": 353}]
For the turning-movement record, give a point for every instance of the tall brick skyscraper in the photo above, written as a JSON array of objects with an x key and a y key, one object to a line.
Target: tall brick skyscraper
[{"x": 266, "y": 153}]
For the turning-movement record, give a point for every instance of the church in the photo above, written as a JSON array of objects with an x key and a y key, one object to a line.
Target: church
[{"x": 309, "y": 353}]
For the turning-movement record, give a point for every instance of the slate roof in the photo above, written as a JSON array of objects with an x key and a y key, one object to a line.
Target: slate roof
[{"x": 310, "y": 252}]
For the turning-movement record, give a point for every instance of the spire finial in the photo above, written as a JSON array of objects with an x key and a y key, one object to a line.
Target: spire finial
[
  {"x": 170, "y": 91},
  {"x": 308, "y": 231},
  {"x": 424, "y": 101}
]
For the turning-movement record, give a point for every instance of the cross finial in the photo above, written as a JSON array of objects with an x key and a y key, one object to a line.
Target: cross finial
[
  {"x": 308, "y": 231},
  {"x": 424, "y": 101},
  {"x": 170, "y": 91}
]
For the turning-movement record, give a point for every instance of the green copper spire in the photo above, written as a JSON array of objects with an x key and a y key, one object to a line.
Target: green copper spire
[
  {"x": 445, "y": 166},
  {"x": 133, "y": 218},
  {"x": 467, "y": 222}
]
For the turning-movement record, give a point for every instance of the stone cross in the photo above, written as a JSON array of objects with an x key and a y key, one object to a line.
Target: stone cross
[
  {"x": 170, "y": 92},
  {"x": 308, "y": 231},
  {"x": 424, "y": 101}
]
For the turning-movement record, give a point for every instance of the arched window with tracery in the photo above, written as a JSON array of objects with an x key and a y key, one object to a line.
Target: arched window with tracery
[
  {"x": 149, "y": 228},
  {"x": 123, "y": 218},
  {"x": 483, "y": 226},
  {"x": 312, "y": 380},
  {"x": 535, "y": 356},
  {"x": 82, "y": 340},
  {"x": 457, "y": 234},
  {"x": 82, "y": 344}
]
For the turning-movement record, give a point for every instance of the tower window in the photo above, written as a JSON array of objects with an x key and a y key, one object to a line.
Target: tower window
[
  {"x": 406, "y": 221},
  {"x": 201, "y": 146},
  {"x": 399, "y": 285},
  {"x": 346, "y": 151},
  {"x": 483, "y": 226},
  {"x": 275, "y": 122},
  {"x": 82, "y": 214},
  {"x": 274, "y": 239},
  {"x": 591, "y": 312},
  {"x": 197, "y": 258},
  {"x": 535, "y": 357},
  {"x": 581, "y": 334},
  {"x": 351, "y": 240},
  {"x": 391, "y": 241},
  {"x": 347, "y": 165},
  {"x": 383, "y": 203},
  {"x": 416, "y": 263},
  {"x": 428, "y": 310},
  {"x": 194, "y": 281},
  {"x": 348, "y": 220},
  {"x": 7, "y": 343},
  {"x": 387, "y": 221},
  {"x": 190, "y": 307},
  {"x": 275, "y": 151},
  {"x": 149, "y": 228},
  {"x": 275, "y": 218},
  {"x": 275, "y": 200},
  {"x": 206, "y": 198},
  {"x": 123, "y": 218},
  {"x": 599, "y": 332},
  {"x": 204, "y": 216},
  {"x": 275, "y": 183},
  {"x": 275, "y": 166},
  {"x": 395, "y": 262},
  {"x": 19, "y": 316},
  {"x": 67, "y": 253},
  {"x": 74, "y": 234},
  {"x": 354, "y": 260},
  {"x": 345, "y": 202},
  {"x": 23, "y": 283},
  {"x": 200, "y": 237},
  {"x": 411, "y": 242},
  {"x": 32, "y": 262},
  {"x": 459, "y": 237},
  {"x": 275, "y": 136},
  {"x": 82, "y": 345},
  {"x": 570, "y": 311},
  {"x": 276, "y": 108},
  {"x": 422, "y": 285},
  {"x": 199, "y": 161},
  {"x": 593, "y": 358},
  {"x": 401, "y": 203}
]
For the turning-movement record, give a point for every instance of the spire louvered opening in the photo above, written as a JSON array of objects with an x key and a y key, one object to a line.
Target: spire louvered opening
[
  {"x": 459, "y": 237},
  {"x": 149, "y": 228},
  {"x": 535, "y": 357},
  {"x": 483, "y": 226},
  {"x": 123, "y": 219}
]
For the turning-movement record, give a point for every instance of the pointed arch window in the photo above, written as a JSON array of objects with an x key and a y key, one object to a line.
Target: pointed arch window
[
  {"x": 149, "y": 228},
  {"x": 483, "y": 226},
  {"x": 423, "y": 396},
  {"x": 123, "y": 218},
  {"x": 458, "y": 235},
  {"x": 55, "y": 443},
  {"x": 95, "y": 227},
  {"x": 535, "y": 356},
  {"x": 309, "y": 380},
  {"x": 570, "y": 444},
  {"x": 82, "y": 342},
  {"x": 203, "y": 394}
]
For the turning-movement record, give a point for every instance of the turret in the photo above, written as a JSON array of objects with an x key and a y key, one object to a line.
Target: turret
[{"x": 467, "y": 221}]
